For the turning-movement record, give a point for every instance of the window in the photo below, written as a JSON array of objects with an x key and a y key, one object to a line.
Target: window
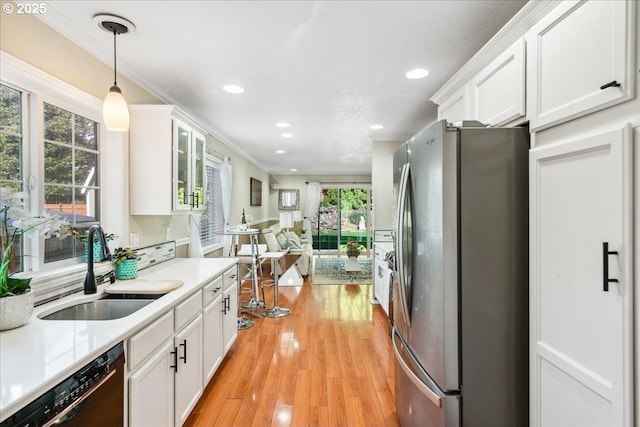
[
  {"x": 212, "y": 220},
  {"x": 50, "y": 148},
  {"x": 11, "y": 152},
  {"x": 70, "y": 175}
]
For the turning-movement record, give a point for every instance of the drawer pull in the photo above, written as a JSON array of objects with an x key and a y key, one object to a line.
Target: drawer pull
[
  {"x": 175, "y": 359},
  {"x": 605, "y": 266},
  {"x": 610, "y": 84},
  {"x": 184, "y": 351}
]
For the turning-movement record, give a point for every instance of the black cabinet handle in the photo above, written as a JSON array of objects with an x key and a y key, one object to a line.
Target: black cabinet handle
[
  {"x": 228, "y": 303},
  {"x": 224, "y": 306},
  {"x": 175, "y": 359},
  {"x": 184, "y": 351},
  {"x": 605, "y": 266},
  {"x": 610, "y": 84}
]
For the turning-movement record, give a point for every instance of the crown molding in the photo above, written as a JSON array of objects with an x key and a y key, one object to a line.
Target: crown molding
[{"x": 516, "y": 28}]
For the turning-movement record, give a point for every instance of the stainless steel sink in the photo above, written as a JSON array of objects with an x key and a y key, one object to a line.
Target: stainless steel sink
[{"x": 102, "y": 309}]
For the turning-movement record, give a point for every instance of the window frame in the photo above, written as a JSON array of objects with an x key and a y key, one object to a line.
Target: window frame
[{"x": 37, "y": 88}]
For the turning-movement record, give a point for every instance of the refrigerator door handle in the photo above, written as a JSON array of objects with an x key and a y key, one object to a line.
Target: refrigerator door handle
[
  {"x": 424, "y": 389},
  {"x": 404, "y": 179}
]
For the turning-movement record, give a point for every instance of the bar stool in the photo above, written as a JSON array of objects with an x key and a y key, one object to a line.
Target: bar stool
[{"x": 276, "y": 311}]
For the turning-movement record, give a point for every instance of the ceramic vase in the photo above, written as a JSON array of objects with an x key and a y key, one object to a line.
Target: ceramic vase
[
  {"x": 127, "y": 269},
  {"x": 16, "y": 310}
]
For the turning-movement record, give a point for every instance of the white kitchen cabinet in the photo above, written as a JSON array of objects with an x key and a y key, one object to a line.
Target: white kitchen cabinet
[
  {"x": 580, "y": 59},
  {"x": 580, "y": 323},
  {"x": 497, "y": 92},
  {"x": 151, "y": 390},
  {"x": 230, "y": 309},
  {"x": 456, "y": 107},
  {"x": 166, "y": 162},
  {"x": 212, "y": 329},
  {"x": 188, "y": 378}
]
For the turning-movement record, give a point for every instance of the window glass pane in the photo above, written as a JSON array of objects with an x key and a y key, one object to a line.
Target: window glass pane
[
  {"x": 85, "y": 168},
  {"x": 56, "y": 249},
  {"x": 10, "y": 138},
  {"x": 85, "y": 133},
  {"x": 10, "y": 158},
  {"x": 58, "y": 124},
  {"x": 87, "y": 204},
  {"x": 58, "y": 164},
  {"x": 10, "y": 111},
  {"x": 59, "y": 200}
]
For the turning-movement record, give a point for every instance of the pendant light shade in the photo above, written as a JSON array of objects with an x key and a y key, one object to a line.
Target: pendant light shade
[{"x": 115, "y": 112}]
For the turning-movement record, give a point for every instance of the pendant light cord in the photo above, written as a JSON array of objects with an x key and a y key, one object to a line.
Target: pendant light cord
[{"x": 115, "y": 80}]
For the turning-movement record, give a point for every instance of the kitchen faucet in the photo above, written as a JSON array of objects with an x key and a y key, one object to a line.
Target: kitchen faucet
[{"x": 90, "y": 280}]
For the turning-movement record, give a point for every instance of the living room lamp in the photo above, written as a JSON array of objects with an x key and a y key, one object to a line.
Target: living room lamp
[
  {"x": 286, "y": 220},
  {"x": 115, "y": 112}
]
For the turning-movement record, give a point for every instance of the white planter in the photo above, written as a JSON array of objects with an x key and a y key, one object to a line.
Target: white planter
[{"x": 16, "y": 310}]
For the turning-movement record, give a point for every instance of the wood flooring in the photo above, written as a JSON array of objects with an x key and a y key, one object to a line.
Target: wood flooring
[{"x": 330, "y": 363}]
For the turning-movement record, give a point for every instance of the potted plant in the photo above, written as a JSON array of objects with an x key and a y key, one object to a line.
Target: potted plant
[
  {"x": 16, "y": 297},
  {"x": 352, "y": 249},
  {"x": 81, "y": 235},
  {"x": 126, "y": 260}
]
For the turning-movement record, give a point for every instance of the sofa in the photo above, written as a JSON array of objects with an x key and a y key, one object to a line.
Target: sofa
[{"x": 278, "y": 240}]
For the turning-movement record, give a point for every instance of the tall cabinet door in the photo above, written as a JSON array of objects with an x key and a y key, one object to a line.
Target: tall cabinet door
[{"x": 581, "y": 332}]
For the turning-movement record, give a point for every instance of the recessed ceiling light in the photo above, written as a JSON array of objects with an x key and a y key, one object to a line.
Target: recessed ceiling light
[
  {"x": 418, "y": 73},
  {"x": 283, "y": 124},
  {"x": 233, "y": 89},
  {"x": 287, "y": 135},
  {"x": 280, "y": 152},
  {"x": 293, "y": 170},
  {"x": 376, "y": 127}
]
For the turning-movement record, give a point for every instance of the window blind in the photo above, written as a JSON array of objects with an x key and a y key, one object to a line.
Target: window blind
[{"x": 212, "y": 220}]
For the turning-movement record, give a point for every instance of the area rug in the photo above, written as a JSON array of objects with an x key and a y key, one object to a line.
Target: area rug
[{"x": 330, "y": 271}]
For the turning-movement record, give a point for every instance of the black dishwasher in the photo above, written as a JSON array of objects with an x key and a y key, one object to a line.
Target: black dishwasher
[{"x": 93, "y": 396}]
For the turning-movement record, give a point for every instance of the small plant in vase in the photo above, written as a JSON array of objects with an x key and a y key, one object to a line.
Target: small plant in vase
[
  {"x": 126, "y": 260},
  {"x": 352, "y": 249},
  {"x": 81, "y": 235}
]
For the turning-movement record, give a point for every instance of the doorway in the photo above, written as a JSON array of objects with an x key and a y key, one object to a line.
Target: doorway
[{"x": 344, "y": 214}]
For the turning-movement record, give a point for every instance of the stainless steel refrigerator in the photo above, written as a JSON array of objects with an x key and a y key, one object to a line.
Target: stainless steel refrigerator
[{"x": 461, "y": 303}]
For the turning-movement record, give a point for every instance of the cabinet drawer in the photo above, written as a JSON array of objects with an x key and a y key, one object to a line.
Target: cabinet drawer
[
  {"x": 230, "y": 276},
  {"x": 143, "y": 344},
  {"x": 188, "y": 310},
  {"x": 212, "y": 291}
]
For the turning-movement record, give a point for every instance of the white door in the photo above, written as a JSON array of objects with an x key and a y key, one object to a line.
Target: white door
[
  {"x": 581, "y": 348},
  {"x": 212, "y": 350},
  {"x": 230, "y": 316},
  {"x": 151, "y": 391},
  {"x": 580, "y": 59},
  {"x": 188, "y": 387}
]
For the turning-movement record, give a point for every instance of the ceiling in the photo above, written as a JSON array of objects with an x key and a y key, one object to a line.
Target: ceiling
[{"x": 329, "y": 68}]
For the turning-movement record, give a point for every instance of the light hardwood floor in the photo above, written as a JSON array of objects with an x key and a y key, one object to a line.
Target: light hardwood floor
[{"x": 329, "y": 363}]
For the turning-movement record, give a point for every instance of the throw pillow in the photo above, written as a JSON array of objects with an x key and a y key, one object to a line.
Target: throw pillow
[
  {"x": 284, "y": 244},
  {"x": 290, "y": 235}
]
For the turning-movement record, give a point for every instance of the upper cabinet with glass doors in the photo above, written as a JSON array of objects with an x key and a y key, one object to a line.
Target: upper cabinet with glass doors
[{"x": 166, "y": 162}]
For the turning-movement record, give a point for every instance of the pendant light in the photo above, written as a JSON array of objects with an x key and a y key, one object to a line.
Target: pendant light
[{"x": 115, "y": 112}]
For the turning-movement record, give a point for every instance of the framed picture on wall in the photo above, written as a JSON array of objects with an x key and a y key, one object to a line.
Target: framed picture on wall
[{"x": 255, "y": 192}]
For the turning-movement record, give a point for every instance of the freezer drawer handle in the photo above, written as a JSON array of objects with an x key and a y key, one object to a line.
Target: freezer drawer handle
[
  {"x": 605, "y": 266},
  {"x": 414, "y": 378}
]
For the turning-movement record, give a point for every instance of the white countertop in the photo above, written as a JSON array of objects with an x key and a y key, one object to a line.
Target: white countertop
[{"x": 37, "y": 356}]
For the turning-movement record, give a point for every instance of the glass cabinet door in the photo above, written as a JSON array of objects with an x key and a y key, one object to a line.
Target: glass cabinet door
[
  {"x": 198, "y": 192},
  {"x": 182, "y": 166}
]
